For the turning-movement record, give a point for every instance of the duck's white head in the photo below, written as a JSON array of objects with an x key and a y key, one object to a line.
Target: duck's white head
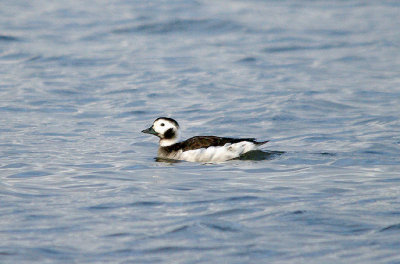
[{"x": 167, "y": 129}]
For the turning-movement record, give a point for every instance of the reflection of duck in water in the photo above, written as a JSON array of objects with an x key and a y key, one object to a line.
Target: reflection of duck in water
[{"x": 200, "y": 148}]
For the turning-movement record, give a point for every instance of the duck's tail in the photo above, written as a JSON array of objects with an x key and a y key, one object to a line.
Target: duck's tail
[{"x": 260, "y": 143}]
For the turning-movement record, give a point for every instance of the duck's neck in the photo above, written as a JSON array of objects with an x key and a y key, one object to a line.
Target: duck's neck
[{"x": 168, "y": 142}]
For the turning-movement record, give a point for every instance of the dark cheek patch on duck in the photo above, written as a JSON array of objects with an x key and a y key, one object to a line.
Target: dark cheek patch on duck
[{"x": 169, "y": 134}]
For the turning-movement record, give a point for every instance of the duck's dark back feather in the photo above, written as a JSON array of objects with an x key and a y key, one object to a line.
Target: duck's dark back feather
[{"x": 207, "y": 141}]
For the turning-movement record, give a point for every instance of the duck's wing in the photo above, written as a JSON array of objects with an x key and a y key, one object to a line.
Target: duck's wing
[{"x": 212, "y": 141}]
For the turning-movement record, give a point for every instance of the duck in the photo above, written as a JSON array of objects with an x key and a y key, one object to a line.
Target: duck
[{"x": 206, "y": 149}]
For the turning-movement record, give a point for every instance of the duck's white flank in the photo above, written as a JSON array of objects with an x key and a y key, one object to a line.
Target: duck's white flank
[{"x": 212, "y": 154}]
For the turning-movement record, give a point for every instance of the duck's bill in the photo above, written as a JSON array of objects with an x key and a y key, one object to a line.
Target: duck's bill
[{"x": 150, "y": 130}]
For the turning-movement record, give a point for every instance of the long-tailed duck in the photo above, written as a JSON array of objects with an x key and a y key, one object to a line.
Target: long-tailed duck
[{"x": 200, "y": 148}]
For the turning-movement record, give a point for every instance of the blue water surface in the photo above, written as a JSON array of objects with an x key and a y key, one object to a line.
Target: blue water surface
[{"x": 79, "y": 80}]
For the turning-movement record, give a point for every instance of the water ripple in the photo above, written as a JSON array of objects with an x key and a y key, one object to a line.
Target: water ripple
[
  {"x": 29, "y": 174},
  {"x": 395, "y": 227},
  {"x": 8, "y": 38},
  {"x": 182, "y": 25}
]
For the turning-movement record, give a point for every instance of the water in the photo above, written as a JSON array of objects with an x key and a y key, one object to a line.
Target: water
[{"x": 79, "y": 183}]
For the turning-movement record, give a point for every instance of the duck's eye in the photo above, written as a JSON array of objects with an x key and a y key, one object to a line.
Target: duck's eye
[{"x": 162, "y": 124}]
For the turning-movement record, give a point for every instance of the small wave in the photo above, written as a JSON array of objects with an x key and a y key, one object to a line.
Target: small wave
[
  {"x": 181, "y": 25},
  {"x": 102, "y": 207},
  {"x": 15, "y": 165},
  {"x": 327, "y": 154},
  {"x": 5, "y": 253},
  {"x": 135, "y": 167},
  {"x": 7, "y": 38},
  {"x": 227, "y": 212},
  {"x": 247, "y": 60},
  {"x": 13, "y": 109},
  {"x": 177, "y": 249},
  {"x": 242, "y": 198},
  {"x": 123, "y": 91},
  {"x": 221, "y": 227},
  {"x": 29, "y": 174},
  {"x": 121, "y": 234},
  {"x": 179, "y": 229},
  {"x": 94, "y": 166},
  {"x": 395, "y": 227},
  {"x": 146, "y": 203},
  {"x": 290, "y": 48},
  {"x": 298, "y": 212}
]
